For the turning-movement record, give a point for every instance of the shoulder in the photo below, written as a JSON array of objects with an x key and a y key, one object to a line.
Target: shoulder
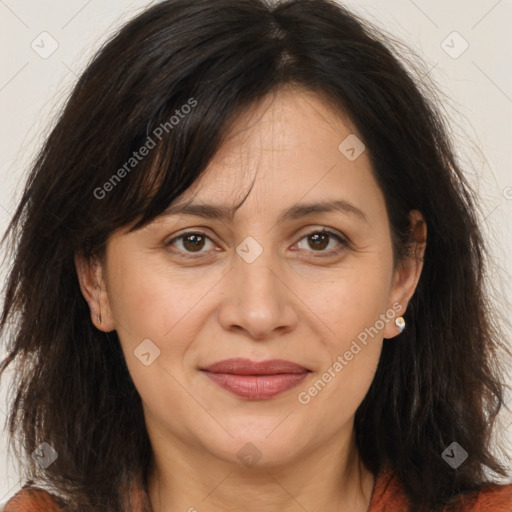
[
  {"x": 388, "y": 494},
  {"x": 490, "y": 498},
  {"x": 33, "y": 499}
]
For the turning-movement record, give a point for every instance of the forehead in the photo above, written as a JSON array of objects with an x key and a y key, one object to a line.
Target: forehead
[{"x": 289, "y": 147}]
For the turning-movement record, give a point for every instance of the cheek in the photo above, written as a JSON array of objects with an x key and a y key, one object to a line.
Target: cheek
[
  {"x": 139, "y": 302},
  {"x": 351, "y": 305},
  {"x": 350, "y": 312},
  {"x": 150, "y": 314},
  {"x": 351, "y": 347},
  {"x": 148, "y": 301}
]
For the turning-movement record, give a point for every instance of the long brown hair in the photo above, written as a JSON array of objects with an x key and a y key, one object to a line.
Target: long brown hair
[{"x": 436, "y": 383}]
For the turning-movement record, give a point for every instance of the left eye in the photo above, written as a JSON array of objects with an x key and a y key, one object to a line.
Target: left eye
[
  {"x": 193, "y": 242},
  {"x": 319, "y": 240}
]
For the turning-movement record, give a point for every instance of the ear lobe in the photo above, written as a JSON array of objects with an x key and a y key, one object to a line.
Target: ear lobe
[{"x": 408, "y": 270}]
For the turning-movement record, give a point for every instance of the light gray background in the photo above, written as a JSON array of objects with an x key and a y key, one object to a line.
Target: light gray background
[{"x": 478, "y": 83}]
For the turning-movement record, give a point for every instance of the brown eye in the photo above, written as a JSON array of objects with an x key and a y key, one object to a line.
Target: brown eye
[
  {"x": 318, "y": 241},
  {"x": 189, "y": 243},
  {"x": 193, "y": 242}
]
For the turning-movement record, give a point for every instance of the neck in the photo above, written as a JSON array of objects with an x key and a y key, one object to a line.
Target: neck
[{"x": 330, "y": 478}]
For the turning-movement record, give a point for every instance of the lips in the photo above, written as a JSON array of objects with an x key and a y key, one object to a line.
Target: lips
[{"x": 256, "y": 380}]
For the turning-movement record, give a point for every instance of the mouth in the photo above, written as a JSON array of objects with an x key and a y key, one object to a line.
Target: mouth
[{"x": 255, "y": 380}]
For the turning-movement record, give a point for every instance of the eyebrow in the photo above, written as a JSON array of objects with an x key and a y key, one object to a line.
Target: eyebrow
[{"x": 212, "y": 211}]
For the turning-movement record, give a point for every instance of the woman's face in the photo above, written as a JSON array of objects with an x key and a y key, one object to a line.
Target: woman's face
[{"x": 261, "y": 285}]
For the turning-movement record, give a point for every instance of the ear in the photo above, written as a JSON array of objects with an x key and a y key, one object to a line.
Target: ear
[
  {"x": 408, "y": 271},
  {"x": 90, "y": 274}
]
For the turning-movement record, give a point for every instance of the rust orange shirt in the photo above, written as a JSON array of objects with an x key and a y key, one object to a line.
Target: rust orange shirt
[{"x": 387, "y": 496}]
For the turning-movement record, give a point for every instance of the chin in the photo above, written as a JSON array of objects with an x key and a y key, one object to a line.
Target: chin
[{"x": 265, "y": 444}]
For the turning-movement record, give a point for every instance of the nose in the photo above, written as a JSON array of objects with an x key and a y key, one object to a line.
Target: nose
[{"x": 257, "y": 299}]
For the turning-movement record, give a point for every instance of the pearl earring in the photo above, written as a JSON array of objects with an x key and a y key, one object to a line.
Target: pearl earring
[
  {"x": 400, "y": 323},
  {"x": 99, "y": 318}
]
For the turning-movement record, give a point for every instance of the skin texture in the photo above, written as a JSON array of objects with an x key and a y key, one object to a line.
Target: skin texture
[{"x": 293, "y": 302}]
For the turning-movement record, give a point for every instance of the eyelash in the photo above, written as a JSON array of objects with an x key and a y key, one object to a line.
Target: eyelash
[{"x": 344, "y": 244}]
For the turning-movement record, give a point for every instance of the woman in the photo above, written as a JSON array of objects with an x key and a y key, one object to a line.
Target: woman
[{"x": 224, "y": 293}]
